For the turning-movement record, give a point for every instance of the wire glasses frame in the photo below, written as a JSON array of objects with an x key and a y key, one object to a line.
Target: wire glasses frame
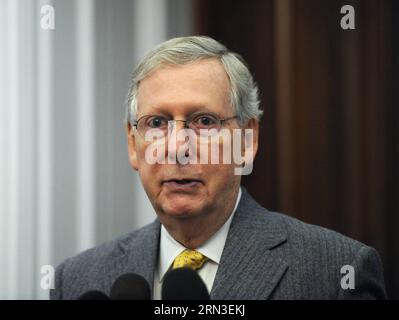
[{"x": 196, "y": 122}]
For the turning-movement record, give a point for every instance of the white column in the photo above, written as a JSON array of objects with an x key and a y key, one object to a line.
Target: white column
[
  {"x": 3, "y": 149},
  {"x": 150, "y": 29},
  {"x": 150, "y": 22},
  {"x": 28, "y": 275},
  {"x": 86, "y": 124},
  {"x": 11, "y": 148},
  {"x": 45, "y": 162},
  {"x": 18, "y": 272}
]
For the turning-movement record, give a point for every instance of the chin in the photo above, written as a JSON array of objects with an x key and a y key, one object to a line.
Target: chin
[{"x": 181, "y": 209}]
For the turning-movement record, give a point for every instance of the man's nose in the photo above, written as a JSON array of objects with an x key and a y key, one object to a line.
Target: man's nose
[
  {"x": 177, "y": 138},
  {"x": 176, "y": 125},
  {"x": 174, "y": 129}
]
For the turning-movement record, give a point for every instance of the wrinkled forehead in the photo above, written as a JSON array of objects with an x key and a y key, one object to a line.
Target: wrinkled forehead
[{"x": 202, "y": 83}]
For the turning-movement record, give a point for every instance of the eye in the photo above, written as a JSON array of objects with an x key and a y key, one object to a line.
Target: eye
[
  {"x": 205, "y": 121},
  {"x": 156, "y": 122}
]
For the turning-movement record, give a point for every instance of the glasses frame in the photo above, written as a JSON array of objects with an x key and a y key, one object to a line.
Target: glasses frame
[{"x": 186, "y": 121}]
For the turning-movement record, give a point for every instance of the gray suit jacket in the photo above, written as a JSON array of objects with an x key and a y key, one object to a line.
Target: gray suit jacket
[{"x": 267, "y": 255}]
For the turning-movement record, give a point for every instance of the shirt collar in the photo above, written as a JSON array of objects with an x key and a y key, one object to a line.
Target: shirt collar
[{"x": 212, "y": 248}]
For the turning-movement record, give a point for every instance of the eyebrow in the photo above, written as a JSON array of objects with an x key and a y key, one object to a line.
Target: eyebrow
[{"x": 195, "y": 109}]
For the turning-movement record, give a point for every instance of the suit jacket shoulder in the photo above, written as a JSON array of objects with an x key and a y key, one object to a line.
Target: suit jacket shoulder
[
  {"x": 279, "y": 257},
  {"x": 323, "y": 261},
  {"x": 97, "y": 268}
]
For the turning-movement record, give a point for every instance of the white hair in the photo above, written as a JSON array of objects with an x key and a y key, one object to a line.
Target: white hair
[{"x": 178, "y": 51}]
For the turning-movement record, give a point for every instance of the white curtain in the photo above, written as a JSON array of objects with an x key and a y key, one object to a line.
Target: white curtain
[{"x": 65, "y": 181}]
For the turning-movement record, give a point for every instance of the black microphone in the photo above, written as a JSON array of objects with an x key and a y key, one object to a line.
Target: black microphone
[
  {"x": 93, "y": 295},
  {"x": 130, "y": 286},
  {"x": 184, "y": 284}
]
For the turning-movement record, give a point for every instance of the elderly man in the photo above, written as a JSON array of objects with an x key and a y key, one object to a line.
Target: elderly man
[{"x": 206, "y": 221}]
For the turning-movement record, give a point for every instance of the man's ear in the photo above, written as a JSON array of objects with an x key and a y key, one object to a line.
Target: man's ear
[
  {"x": 131, "y": 146},
  {"x": 249, "y": 147},
  {"x": 254, "y": 126}
]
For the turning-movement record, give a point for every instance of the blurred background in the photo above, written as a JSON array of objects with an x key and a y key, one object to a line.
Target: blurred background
[{"x": 329, "y": 152}]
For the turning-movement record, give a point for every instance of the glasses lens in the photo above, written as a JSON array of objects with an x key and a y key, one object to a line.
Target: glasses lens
[
  {"x": 203, "y": 122},
  {"x": 152, "y": 123}
]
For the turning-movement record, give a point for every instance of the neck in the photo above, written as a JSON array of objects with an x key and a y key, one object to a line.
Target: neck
[{"x": 192, "y": 234}]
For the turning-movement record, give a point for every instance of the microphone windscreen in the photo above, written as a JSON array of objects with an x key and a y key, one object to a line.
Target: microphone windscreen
[
  {"x": 130, "y": 286},
  {"x": 93, "y": 295},
  {"x": 184, "y": 284}
]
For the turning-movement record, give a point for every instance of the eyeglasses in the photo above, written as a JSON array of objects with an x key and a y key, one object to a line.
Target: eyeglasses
[{"x": 200, "y": 122}]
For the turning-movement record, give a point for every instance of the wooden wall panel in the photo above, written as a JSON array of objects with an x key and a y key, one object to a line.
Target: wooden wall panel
[{"x": 329, "y": 138}]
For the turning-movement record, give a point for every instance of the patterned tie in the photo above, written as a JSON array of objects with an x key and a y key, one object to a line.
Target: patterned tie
[{"x": 189, "y": 259}]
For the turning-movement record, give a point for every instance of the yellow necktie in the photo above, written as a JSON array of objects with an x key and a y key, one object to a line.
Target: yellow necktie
[{"x": 189, "y": 259}]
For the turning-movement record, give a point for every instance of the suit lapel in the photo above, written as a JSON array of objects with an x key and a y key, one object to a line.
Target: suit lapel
[
  {"x": 249, "y": 268},
  {"x": 138, "y": 255}
]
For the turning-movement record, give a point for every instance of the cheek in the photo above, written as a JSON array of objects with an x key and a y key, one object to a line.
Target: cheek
[
  {"x": 147, "y": 171},
  {"x": 215, "y": 150},
  {"x": 148, "y": 177},
  {"x": 224, "y": 173},
  {"x": 217, "y": 160},
  {"x": 221, "y": 181},
  {"x": 143, "y": 151}
]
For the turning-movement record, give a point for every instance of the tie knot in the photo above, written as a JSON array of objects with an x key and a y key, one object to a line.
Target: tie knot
[{"x": 189, "y": 259}]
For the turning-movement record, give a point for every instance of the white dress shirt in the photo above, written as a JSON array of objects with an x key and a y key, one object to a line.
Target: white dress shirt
[{"x": 169, "y": 249}]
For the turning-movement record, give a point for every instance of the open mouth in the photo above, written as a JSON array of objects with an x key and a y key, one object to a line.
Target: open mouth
[{"x": 182, "y": 182}]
